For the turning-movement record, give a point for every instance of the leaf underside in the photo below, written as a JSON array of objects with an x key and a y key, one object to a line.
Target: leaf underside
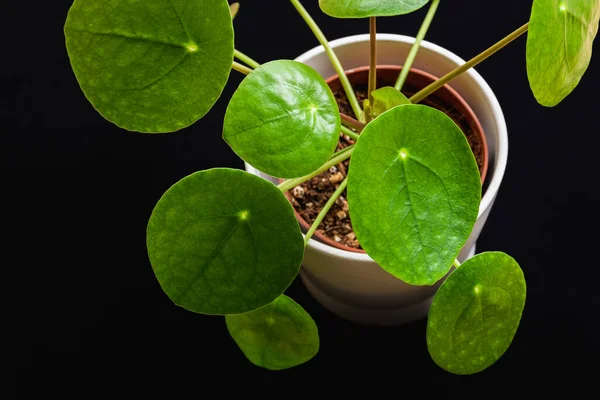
[
  {"x": 224, "y": 241},
  {"x": 475, "y": 313},
  {"x": 151, "y": 66}
]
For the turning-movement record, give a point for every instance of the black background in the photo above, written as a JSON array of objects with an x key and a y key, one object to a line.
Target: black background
[{"x": 90, "y": 315}]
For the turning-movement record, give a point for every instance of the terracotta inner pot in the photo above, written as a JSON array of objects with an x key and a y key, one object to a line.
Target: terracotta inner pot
[{"x": 445, "y": 98}]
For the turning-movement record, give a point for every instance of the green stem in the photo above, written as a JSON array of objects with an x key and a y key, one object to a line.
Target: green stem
[
  {"x": 417, "y": 97},
  {"x": 456, "y": 263},
  {"x": 325, "y": 210},
  {"x": 373, "y": 57},
  {"x": 347, "y": 131},
  {"x": 415, "y": 47},
  {"x": 241, "y": 56},
  {"x": 332, "y": 57},
  {"x": 240, "y": 68},
  {"x": 337, "y": 158}
]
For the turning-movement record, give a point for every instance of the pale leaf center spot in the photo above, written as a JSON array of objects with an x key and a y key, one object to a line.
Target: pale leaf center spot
[
  {"x": 191, "y": 47},
  {"x": 403, "y": 154}
]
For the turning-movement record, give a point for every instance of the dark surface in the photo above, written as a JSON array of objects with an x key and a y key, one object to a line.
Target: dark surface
[{"x": 91, "y": 317}]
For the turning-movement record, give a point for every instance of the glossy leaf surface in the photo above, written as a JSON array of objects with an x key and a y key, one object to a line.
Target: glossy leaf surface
[
  {"x": 559, "y": 46},
  {"x": 224, "y": 241},
  {"x": 277, "y": 336},
  {"x": 369, "y": 8},
  {"x": 475, "y": 313},
  {"x": 151, "y": 66},
  {"x": 283, "y": 119},
  {"x": 413, "y": 192}
]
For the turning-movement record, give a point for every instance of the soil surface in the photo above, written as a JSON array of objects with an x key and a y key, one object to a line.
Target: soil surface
[{"x": 309, "y": 197}]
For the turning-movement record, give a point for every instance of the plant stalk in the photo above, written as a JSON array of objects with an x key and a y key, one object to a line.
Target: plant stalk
[
  {"x": 456, "y": 263},
  {"x": 373, "y": 57},
  {"x": 244, "y": 58},
  {"x": 417, "y": 97},
  {"x": 333, "y": 58},
  {"x": 352, "y": 123},
  {"x": 347, "y": 131},
  {"x": 325, "y": 210},
  {"x": 337, "y": 158},
  {"x": 415, "y": 47},
  {"x": 241, "y": 68}
]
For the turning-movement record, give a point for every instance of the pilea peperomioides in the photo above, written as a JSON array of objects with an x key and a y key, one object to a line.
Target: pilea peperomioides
[{"x": 226, "y": 242}]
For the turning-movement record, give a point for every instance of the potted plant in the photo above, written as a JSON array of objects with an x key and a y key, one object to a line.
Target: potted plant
[{"x": 227, "y": 242}]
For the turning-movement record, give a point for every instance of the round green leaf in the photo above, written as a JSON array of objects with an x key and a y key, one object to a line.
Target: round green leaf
[
  {"x": 224, "y": 241},
  {"x": 369, "y": 8},
  {"x": 277, "y": 336},
  {"x": 475, "y": 313},
  {"x": 559, "y": 46},
  {"x": 151, "y": 66},
  {"x": 283, "y": 119},
  {"x": 413, "y": 192}
]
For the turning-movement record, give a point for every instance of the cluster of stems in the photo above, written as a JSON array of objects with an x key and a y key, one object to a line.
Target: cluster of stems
[{"x": 353, "y": 126}]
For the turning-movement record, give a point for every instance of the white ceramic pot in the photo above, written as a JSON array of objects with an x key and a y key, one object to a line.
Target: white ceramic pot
[{"x": 350, "y": 284}]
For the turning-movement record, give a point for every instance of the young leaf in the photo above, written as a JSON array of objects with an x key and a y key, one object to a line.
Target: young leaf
[
  {"x": 413, "y": 192},
  {"x": 559, "y": 46},
  {"x": 369, "y": 8},
  {"x": 151, "y": 66},
  {"x": 475, "y": 313},
  {"x": 386, "y": 98},
  {"x": 234, "y": 8},
  {"x": 283, "y": 119},
  {"x": 224, "y": 241},
  {"x": 277, "y": 336}
]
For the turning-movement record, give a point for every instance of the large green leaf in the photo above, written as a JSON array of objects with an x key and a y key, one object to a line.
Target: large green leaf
[
  {"x": 224, "y": 241},
  {"x": 283, "y": 119},
  {"x": 151, "y": 66},
  {"x": 559, "y": 46},
  {"x": 277, "y": 336},
  {"x": 413, "y": 192},
  {"x": 369, "y": 8},
  {"x": 475, "y": 313}
]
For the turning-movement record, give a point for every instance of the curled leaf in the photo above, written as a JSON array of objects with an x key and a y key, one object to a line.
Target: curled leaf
[{"x": 559, "y": 46}]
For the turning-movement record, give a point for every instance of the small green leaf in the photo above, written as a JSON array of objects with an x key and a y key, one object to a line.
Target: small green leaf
[
  {"x": 283, "y": 119},
  {"x": 369, "y": 8},
  {"x": 224, "y": 241},
  {"x": 277, "y": 336},
  {"x": 559, "y": 46},
  {"x": 386, "y": 98},
  {"x": 475, "y": 313},
  {"x": 413, "y": 192},
  {"x": 151, "y": 66}
]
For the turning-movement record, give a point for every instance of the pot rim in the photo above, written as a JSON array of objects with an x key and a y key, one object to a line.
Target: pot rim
[{"x": 457, "y": 97}]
